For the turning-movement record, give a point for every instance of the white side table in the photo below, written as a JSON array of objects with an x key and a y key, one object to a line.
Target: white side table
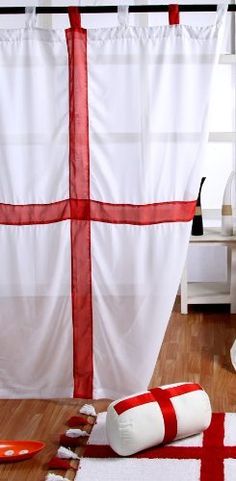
[{"x": 211, "y": 292}]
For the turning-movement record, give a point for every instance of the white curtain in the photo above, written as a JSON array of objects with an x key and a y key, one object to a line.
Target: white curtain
[
  {"x": 149, "y": 91},
  {"x": 147, "y": 94},
  {"x": 35, "y": 306}
]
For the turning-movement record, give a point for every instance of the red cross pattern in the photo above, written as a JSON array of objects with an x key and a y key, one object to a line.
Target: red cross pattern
[
  {"x": 211, "y": 454},
  {"x": 81, "y": 210}
]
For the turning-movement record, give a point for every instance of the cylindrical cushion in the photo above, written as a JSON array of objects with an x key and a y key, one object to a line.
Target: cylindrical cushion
[{"x": 157, "y": 416}]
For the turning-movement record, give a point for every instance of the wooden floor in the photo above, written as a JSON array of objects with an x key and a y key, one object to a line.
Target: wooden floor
[{"x": 196, "y": 348}]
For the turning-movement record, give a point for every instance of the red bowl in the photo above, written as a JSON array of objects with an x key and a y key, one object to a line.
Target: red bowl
[{"x": 11, "y": 451}]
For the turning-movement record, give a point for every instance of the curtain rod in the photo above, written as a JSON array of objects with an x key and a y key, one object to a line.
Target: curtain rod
[{"x": 113, "y": 9}]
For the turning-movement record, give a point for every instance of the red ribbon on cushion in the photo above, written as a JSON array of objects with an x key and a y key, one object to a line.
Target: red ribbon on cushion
[
  {"x": 168, "y": 412},
  {"x": 163, "y": 398}
]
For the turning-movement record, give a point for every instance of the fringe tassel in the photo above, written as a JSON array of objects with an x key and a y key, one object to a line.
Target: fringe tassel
[
  {"x": 88, "y": 409},
  {"x": 65, "y": 453},
  {"x": 77, "y": 421},
  {"x": 55, "y": 477},
  {"x": 58, "y": 463},
  {"x": 76, "y": 433},
  {"x": 72, "y": 442}
]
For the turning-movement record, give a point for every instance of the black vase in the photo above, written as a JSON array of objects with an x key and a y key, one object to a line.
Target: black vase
[{"x": 197, "y": 226}]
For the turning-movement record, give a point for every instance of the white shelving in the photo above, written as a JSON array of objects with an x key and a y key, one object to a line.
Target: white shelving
[
  {"x": 208, "y": 293},
  {"x": 211, "y": 292}
]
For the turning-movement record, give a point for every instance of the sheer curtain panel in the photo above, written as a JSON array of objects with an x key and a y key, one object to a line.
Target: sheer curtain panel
[
  {"x": 36, "y": 358},
  {"x": 103, "y": 133}
]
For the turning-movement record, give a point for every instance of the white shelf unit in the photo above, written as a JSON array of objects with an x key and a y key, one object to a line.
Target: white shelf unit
[{"x": 211, "y": 292}]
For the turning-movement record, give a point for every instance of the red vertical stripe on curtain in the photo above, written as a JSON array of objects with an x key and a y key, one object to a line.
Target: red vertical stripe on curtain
[{"x": 79, "y": 178}]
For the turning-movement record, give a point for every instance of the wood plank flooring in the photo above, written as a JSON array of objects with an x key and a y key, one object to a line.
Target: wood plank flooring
[{"x": 196, "y": 348}]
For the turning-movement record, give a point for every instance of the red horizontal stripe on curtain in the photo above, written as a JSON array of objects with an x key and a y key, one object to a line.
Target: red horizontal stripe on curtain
[
  {"x": 92, "y": 210},
  {"x": 11, "y": 214},
  {"x": 142, "y": 214}
]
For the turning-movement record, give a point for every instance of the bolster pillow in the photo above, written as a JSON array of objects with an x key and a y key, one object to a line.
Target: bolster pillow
[{"x": 157, "y": 416}]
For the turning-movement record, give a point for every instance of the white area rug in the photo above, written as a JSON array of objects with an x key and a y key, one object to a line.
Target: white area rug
[{"x": 210, "y": 456}]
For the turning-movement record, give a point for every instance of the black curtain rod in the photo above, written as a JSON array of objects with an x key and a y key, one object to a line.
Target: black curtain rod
[{"x": 113, "y": 9}]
